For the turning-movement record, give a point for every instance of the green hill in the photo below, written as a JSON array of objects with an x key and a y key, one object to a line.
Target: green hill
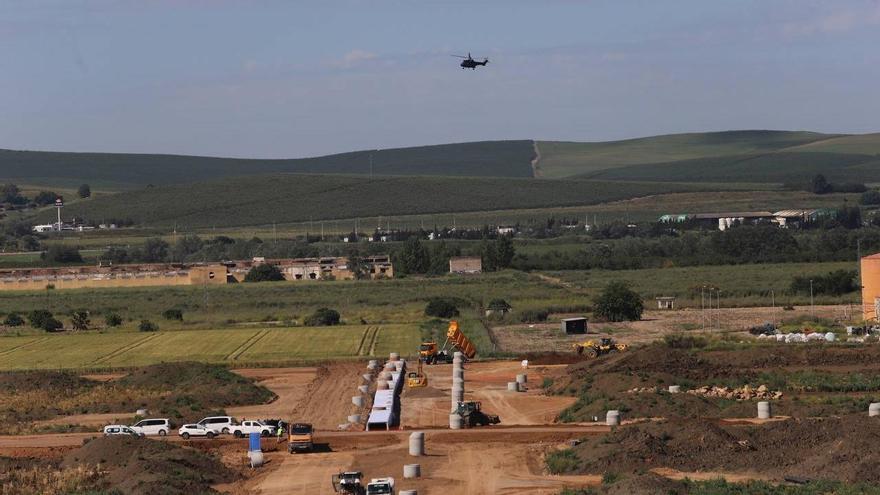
[
  {"x": 284, "y": 198},
  {"x": 126, "y": 171}
]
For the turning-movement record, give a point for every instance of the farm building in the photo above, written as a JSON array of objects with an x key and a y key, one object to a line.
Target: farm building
[
  {"x": 665, "y": 302},
  {"x": 465, "y": 264},
  {"x": 725, "y": 220},
  {"x": 870, "y": 269},
  {"x": 574, "y": 325},
  {"x": 143, "y": 275}
]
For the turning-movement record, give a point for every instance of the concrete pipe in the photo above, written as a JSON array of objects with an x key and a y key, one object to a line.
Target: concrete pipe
[
  {"x": 255, "y": 458},
  {"x": 363, "y": 389},
  {"x": 522, "y": 379},
  {"x": 358, "y": 400},
  {"x": 411, "y": 471},
  {"x": 455, "y": 421},
  {"x": 394, "y": 356},
  {"x": 874, "y": 409},
  {"x": 417, "y": 443},
  {"x": 372, "y": 364},
  {"x": 354, "y": 418},
  {"x": 382, "y": 385},
  {"x": 389, "y": 367},
  {"x": 513, "y": 386},
  {"x": 458, "y": 355},
  {"x": 385, "y": 375},
  {"x": 674, "y": 389},
  {"x": 458, "y": 373},
  {"x": 367, "y": 378},
  {"x": 142, "y": 412},
  {"x": 612, "y": 418},
  {"x": 408, "y": 492},
  {"x": 764, "y": 410}
]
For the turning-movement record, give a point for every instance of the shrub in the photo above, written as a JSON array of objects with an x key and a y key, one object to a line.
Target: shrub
[
  {"x": 51, "y": 325},
  {"x": 147, "y": 326},
  {"x": 618, "y": 302},
  {"x": 13, "y": 320},
  {"x": 682, "y": 341},
  {"x": 38, "y": 316},
  {"x": 441, "y": 307},
  {"x": 264, "y": 273},
  {"x": 533, "y": 315},
  {"x": 62, "y": 254},
  {"x": 80, "y": 320},
  {"x": 112, "y": 320},
  {"x": 323, "y": 317},
  {"x": 498, "y": 305},
  {"x": 871, "y": 197},
  {"x": 173, "y": 314},
  {"x": 834, "y": 283},
  {"x": 562, "y": 461}
]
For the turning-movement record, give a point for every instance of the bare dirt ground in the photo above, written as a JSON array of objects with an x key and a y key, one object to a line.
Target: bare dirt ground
[
  {"x": 548, "y": 337},
  {"x": 485, "y": 382},
  {"x": 289, "y": 384}
]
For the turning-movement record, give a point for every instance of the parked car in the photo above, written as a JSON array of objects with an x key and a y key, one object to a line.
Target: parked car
[
  {"x": 111, "y": 430},
  {"x": 156, "y": 426},
  {"x": 248, "y": 427},
  {"x": 196, "y": 430},
  {"x": 223, "y": 424}
]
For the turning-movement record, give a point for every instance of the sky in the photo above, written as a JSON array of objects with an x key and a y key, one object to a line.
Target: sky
[{"x": 286, "y": 79}]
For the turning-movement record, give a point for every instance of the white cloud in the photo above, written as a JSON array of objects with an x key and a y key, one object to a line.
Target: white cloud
[
  {"x": 835, "y": 22},
  {"x": 355, "y": 57}
]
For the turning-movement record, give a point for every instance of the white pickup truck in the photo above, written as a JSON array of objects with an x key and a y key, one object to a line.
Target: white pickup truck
[
  {"x": 247, "y": 427},
  {"x": 381, "y": 486}
]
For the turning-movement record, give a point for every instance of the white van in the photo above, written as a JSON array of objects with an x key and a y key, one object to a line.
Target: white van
[
  {"x": 155, "y": 426},
  {"x": 113, "y": 430},
  {"x": 223, "y": 424}
]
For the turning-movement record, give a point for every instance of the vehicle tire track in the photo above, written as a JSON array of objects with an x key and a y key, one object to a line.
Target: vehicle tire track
[
  {"x": 360, "y": 349},
  {"x": 124, "y": 349},
  {"x": 373, "y": 341},
  {"x": 247, "y": 344},
  {"x": 35, "y": 341},
  {"x": 536, "y": 172}
]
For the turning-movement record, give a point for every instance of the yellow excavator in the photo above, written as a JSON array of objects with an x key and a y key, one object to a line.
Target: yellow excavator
[
  {"x": 430, "y": 353},
  {"x": 417, "y": 379},
  {"x": 594, "y": 349}
]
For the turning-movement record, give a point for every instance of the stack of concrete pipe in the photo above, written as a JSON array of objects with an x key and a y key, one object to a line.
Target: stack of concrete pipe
[
  {"x": 394, "y": 357},
  {"x": 457, "y": 389},
  {"x": 612, "y": 418},
  {"x": 409, "y": 492},
  {"x": 372, "y": 364},
  {"x": 411, "y": 471},
  {"x": 417, "y": 443},
  {"x": 874, "y": 409},
  {"x": 764, "y": 410}
]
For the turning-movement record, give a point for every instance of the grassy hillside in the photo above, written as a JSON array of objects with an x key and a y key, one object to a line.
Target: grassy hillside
[
  {"x": 116, "y": 170},
  {"x": 563, "y": 159},
  {"x": 782, "y": 167},
  {"x": 285, "y": 198},
  {"x": 866, "y": 144}
]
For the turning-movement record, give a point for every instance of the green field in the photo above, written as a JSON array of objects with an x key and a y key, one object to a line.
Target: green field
[
  {"x": 127, "y": 171},
  {"x": 238, "y": 347},
  {"x": 262, "y": 200}
]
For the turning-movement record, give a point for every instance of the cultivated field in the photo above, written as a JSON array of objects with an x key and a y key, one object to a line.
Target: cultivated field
[{"x": 234, "y": 346}]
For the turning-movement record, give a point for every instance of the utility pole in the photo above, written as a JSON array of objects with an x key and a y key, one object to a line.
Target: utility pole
[
  {"x": 703, "y": 306},
  {"x": 812, "y": 311},
  {"x": 772, "y": 299}
]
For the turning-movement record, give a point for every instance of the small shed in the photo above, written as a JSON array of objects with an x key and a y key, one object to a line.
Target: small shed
[
  {"x": 574, "y": 325},
  {"x": 665, "y": 302}
]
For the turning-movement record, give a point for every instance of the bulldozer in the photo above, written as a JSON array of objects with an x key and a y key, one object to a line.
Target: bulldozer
[
  {"x": 417, "y": 379},
  {"x": 594, "y": 349},
  {"x": 349, "y": 482},
  {"x": 472, "y": 415},
  {"x": 430, "y": 353}
]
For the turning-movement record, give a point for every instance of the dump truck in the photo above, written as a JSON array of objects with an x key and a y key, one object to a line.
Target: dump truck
[
  {"x": 349, "y": 483},
  {"x": 417, "y": 379},
  {"x": 456, "y": 341},
  {"x": 300, "y": 438},
  {"x": 594, "y": 349},
  {"x": 472, "y": 415}
]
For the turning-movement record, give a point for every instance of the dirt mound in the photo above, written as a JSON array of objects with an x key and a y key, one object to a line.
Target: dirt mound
[
  {"x": 643, "y": 484},
  {"x": 832, "y": 448},
  {"x": 424, "y": 393},
  {"x": 537, "y": 358},
  {"x": 23, "y": 381},
  {"x": 138, "y": 466}
]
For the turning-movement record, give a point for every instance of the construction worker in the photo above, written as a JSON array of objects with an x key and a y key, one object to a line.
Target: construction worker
[{"x": 280, "y": 433}]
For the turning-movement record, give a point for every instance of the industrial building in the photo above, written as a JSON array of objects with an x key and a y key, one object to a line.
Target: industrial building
[
  {"x": 725, "y": 220},
  {"x": 146, "y": 275},
  {"x": 870, "y": 271}
]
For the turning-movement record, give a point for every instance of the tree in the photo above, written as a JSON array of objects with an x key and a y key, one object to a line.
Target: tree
[
  {"x": 38, "y": 316},
  {"x": 264, "y": 272},
  {"x": 112, "y": 320},
  {"x": 59, "y": 253},
  {"x": 504, "y": 251},
  {"x": 498, "y": 305},
  {"x": 44, "y": 198},
  {"x": 441, "y": 307},
  {"x": 52, "y": 325},
  {"x": 10, "y": 193},
  {"x": 413, "y": 257},
  {"x": 323, "y": 317},
  {"x": 187, "y": 246},
  {"x": 618, "y": 302},
  {"x": 13, "y": 320},
  {"x": 84, "y": 191},
  {"x": 155, "y": 250},
  {"x": 173, "y": 314},
  {"x": 871, "y": 197},
  {"x": 117, "y": 255},
  {"x": 820, "y": 185},
  {"x": 80, "y": 320},
  {"x": 147, "y": 326}
]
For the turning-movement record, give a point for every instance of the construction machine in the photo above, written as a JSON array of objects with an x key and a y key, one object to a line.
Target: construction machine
[
  {"x": 456, "y": 341},
  {"x": 594, "y": 349},
  {"x": 417, "y": 379},
  {"x": 349, "y": 483},
  {"x": 300, "y": 438},
  {"x": 472, "y": 415}
]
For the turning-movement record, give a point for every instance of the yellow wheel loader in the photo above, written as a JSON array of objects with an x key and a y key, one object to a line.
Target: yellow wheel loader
[
  {"x": 417, "y": 379},
  {"x": 594, "y": 349}
]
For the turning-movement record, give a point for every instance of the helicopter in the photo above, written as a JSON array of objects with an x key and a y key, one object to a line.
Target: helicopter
[{"x": 470, "y": 63}]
